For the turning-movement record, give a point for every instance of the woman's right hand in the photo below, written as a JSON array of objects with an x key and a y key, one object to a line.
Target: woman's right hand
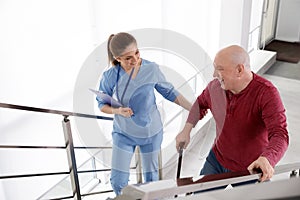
[{"x": 125, "y": 112}]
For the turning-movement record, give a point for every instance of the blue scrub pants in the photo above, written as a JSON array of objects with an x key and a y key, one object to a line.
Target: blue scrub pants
[{"x": 123, "y": 149}]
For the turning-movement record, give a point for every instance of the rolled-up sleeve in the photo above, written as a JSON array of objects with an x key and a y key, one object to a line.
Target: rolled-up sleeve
[
  {"x": 106, "y": 87},
  {"x": 166, "y": 89}
]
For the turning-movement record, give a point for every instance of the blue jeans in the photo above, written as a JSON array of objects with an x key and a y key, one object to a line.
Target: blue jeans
[
  {"x": 123, "y": 149},
  {"x": 212, "y": 166}
]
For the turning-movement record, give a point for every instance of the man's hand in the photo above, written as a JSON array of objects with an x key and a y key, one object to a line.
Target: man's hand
[
  {"x": 263, "y": 164},
  {"x": 184, "y": 136}
]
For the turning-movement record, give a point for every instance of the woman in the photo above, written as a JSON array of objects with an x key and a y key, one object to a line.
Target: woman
[{"x": 131, "y": 80}]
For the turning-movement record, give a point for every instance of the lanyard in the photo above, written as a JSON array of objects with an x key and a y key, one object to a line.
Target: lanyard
[{"x": 126, "y": 86}]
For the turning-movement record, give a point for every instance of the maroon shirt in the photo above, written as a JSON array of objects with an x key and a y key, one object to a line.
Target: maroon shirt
[{"x": 248, "y": 125}]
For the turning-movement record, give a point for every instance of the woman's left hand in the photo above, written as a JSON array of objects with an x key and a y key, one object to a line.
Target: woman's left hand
[{"x": 125, "y": 112}]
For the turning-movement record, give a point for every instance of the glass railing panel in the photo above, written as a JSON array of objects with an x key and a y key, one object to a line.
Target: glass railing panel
[
  {"x": 87, "y": 176},
  {"x": 96, "y": 134},
  {"x": 32, "y": 187},
  {"x": 19, "y": 127},
  {"x": 61, "y": 189},
  {"x": 32, "y": 161},
  {"x": 100, "y": 161}
]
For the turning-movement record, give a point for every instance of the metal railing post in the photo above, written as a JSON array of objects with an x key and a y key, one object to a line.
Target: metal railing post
[
  {"x": 160, "y": 174},
  {"x": 94, "y": 167},
  {"x": 71, "y": 158},
  {"x": 138, "y": 162},
  {"x": 139, "y": 176}
]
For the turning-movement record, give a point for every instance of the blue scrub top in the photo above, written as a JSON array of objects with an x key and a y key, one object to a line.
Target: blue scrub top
[{"x": 139, "y": 96}]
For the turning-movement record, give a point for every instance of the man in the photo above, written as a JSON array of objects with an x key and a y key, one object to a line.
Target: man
[{"x": 251, "y": 128}]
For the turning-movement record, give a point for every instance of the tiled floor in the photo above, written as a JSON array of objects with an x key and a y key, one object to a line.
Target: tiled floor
[{"x": 284, "y": 69}]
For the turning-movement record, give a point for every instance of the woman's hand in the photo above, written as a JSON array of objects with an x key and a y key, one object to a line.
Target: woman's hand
[{"x": 125, "y": 112}]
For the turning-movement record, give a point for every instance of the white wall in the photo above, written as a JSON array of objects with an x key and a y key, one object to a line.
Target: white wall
[
  {"x": 198, "y": 20},
  {"x": 238, "y": 19},
  {"x": 231, "y": 23},
  {"x": 43, "y": 45},
  {"x": 255, "y": 25},
  {"x": 288, "y": 23}
]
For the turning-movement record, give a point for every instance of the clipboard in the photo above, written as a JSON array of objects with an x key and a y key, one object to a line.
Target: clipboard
[{"x": 107, "y": 99}]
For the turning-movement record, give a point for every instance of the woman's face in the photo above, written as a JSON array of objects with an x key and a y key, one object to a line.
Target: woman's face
[{"x": 130, "y": 57}]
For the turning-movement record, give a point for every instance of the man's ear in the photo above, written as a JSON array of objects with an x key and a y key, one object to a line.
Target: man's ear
[{"x": 239, "y": 69}]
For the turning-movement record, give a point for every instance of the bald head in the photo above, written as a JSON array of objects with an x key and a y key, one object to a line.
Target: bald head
[
  {"x": 235, "y": 55},
  {"x": 232, "y": 68}
]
